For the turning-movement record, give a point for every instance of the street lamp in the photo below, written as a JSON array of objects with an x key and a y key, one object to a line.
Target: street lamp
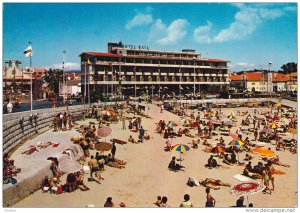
[{"x": 268, "y": 79}]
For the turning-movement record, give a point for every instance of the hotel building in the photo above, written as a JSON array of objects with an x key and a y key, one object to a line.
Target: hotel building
[{"x": 133, "y": 70}]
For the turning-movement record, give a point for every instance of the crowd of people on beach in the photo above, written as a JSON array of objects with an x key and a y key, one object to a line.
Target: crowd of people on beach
[{"x": 198, "y": 128}]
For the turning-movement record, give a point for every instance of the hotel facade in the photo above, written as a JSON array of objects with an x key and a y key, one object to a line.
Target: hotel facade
[{"x": 134, "y": 70}]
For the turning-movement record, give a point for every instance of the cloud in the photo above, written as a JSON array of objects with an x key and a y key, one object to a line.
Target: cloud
[
  {"x": 68, "y": 66},
  {"x": 139, "y": 20},
  {"x": 202, "y": 33},
  {"x": 246, "y": 21},
  {"x": 167, "y": 35},
  {"x": 241, "y": 66}
]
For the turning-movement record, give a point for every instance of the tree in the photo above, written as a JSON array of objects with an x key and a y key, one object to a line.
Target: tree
[
  {"x": 289, "y": 67},
  {"x": 53, "y": 78}
]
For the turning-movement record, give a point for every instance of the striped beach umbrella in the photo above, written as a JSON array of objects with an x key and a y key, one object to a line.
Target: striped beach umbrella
[
  {"x": 236, "y": 143},
  {"x": 180, "y": 148},
  {"x": 218, "y": 149},
  {"x": 273, "y": 126},
  {"x": 172, "y": 124}
]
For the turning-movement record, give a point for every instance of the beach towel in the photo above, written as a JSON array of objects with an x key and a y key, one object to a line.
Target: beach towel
[
  {"x": 133, "y": 130},
  {"x": 118, "y": 141},
  {"x": 56, "y": 145},
  {"x": 278, "y": 172},
  {"x": 242, "y": 177}
]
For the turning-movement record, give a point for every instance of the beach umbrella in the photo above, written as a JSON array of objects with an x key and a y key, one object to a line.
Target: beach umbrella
[
  {"x": 172, "y": 124},
  {"x": 273, "y": 126},
  {"x": 246, "y": 188},
  {"x": 236, "y": 142},
  {"x": 218, "y": 149},
  {"x": 69, "y": 165},
  {"x": 277, "y": 105},
  {"x": 181, "y": 148},
  {"x": 104, "y": 131},
  {"x": 264, "y": 152},
  {"x": 103, "y": 146}
]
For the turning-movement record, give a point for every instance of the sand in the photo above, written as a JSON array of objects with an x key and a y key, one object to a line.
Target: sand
[{"x": 146, "y": 175}]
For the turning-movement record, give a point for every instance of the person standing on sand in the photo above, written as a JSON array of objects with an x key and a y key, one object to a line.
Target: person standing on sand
[
  {"x": 94, "y": 168},
  {"x": 272, "y": 174},
  {"x": 142, "y": 134},
  {"x": 266, "y": 178},
  {"x": 113, "y": 150},
  {"x": 210, "y": 201}
]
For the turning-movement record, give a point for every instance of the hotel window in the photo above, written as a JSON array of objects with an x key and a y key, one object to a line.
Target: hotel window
[{"x": 253, "y": 83}]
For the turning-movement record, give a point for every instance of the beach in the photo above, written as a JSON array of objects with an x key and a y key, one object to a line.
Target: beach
[{"x": 146, "y": 174}]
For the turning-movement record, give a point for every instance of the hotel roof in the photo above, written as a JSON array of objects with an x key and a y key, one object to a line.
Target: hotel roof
[
  {"x": 258, "y": 76},
  {"x": 156, "y": 57}
]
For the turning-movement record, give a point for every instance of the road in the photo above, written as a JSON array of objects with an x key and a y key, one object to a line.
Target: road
[{"x": 36, "y": 105}]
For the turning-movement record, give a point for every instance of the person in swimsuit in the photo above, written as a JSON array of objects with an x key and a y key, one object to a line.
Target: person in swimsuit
[
  {"x": 54, "y": 168},
  {"x": 266, "y": 179},
  {"x": 94, "y": 168},
  {"x": 272, "y": 174},
  {"x": 214, "y": 182},
  {"x": 210, "y": 201}
]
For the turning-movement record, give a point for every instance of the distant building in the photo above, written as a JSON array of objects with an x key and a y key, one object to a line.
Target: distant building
[
  {"x": 263, "y": 82},
  {"x": 74, "y": 76},
  {"x": 73, "y": 87},
  {"x": 136, "y": 69},
  {"x": 17, "y": 81}
]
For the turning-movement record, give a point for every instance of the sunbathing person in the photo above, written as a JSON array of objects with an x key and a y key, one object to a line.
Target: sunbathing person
[
  {"x": 180, "y": 132},
  {"x": 131, "y": 139},
  {"x": 113, "y": 162},
  {"x": 248, "y": 171},
  {"x": 188, "y": 133},
  {"x": 213, "y": 181},
  {"x": 275, "y": 160},
  {"x": 31, "y": 150},
  {"x": 44, "y": 145},
  {"x": 195, "y": 144},
  {"x": 79, "y": 182},
  {"x": 205, "y": 143}
]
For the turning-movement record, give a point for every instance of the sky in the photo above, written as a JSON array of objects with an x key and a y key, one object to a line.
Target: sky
[{"x": 248, "y": 35}]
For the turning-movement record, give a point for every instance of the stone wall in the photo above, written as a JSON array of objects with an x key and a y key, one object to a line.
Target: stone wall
[{"x": 18, "y": 127}]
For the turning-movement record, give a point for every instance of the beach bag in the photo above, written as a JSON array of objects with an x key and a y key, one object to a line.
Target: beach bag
[
  {"x": 191, "y": 182},
  {"x": 13, "y": 181}
]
